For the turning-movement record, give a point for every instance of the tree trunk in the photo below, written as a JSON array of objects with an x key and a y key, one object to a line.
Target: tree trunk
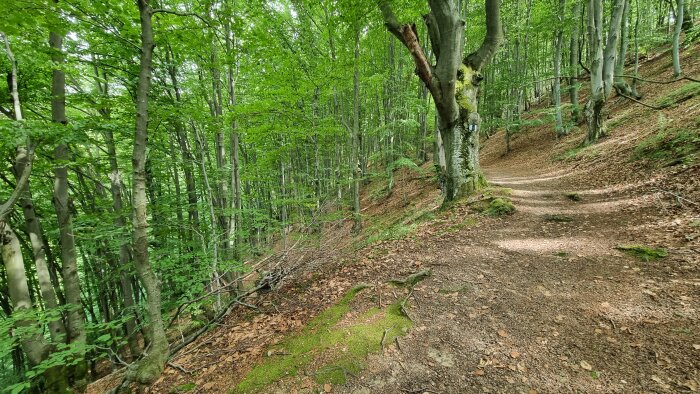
[
  {"x": 556, "y": 93},
  {"x": 573, "y": 64},
  {"x": 455, "y": 98},
  {"x": 356, "y": 167},
  {"x": 75, "y": 318},
  {"x": 680, "y": 10},
  {"x": 149, "y": 368},
  {"x": 603, "y": 60}
]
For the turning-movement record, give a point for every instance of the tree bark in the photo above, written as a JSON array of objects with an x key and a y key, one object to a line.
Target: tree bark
[
  {"x": 356, "y": 167},
  {"x": 453, "y": 83},
  {"x": 75, "y": 317},
  {"x": 150, "y": 367},
  {"x": 556, "y": 93},
  {"x": 680, "y": 10},
  {"x": 573, "y": 63}
]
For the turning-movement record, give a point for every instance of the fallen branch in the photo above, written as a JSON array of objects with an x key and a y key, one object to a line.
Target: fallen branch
[
  {"x": 411, "y": 280},
  {"x": 180, "y": 368},
  {"x": 640, "y": 102},
  {"x": 659, "y": 82}
]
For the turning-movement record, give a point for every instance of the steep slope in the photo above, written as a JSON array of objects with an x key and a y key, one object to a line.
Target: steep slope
[{"x": 542, "y": 300}]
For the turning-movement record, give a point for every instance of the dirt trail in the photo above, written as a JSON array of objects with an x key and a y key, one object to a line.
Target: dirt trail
[{"x": 548, "y": 307}]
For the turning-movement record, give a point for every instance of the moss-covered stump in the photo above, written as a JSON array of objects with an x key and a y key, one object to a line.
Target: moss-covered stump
[{"x": 323, "y": 337}]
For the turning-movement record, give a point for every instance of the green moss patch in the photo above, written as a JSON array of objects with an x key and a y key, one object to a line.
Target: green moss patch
[
  {"x": 500, "y": 207},
  {"x": 675, "y": 97},
  {"x": 558, "y": 218},
  {"x": 322, "y": 336},
  {"x": 183, "y": 388},
  {"x": 669, "y": 147},
  {"x": 644, "y": 253}
]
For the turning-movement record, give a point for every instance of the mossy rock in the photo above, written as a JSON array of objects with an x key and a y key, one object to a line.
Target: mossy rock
[
  {"x": 500, "y": 207},
  {"x": 644, "y": 253}
]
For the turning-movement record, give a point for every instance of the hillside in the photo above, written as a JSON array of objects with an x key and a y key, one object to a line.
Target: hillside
[{"x": 554, "y": 297}]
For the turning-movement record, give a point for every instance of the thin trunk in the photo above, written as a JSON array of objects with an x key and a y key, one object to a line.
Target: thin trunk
[
  {"x": 356, "y": 167},
  {"x": 558, "y": 42},
  {"x": 680, "y": 10},
  {"x": 574, "y": 64},
  {"x": 151, "y": 366},
  {"x": 75, "y": 319}
]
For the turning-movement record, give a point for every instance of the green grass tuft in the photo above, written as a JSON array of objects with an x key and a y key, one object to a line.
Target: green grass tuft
[{"x": 644, "y": 253}]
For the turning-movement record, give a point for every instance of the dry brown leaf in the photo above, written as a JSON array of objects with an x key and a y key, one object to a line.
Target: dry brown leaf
[
  {"x": 502, "y": 333},
  {"x": 585, "y": 365},
  {"x": 696, "y": 346},
  {"x": 515, "y": 354},
  {"x": 532, "y": 391},
  {"x": 327, "y": 387},
  {"x": 479, "y": 372}
]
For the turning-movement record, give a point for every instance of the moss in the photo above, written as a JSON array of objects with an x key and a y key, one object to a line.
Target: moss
[
  {"x": 456, "y": 288},
  {"x": 644, "y": 253},
  {"x": 411, "y": 280},
  {"x": 679, "y": 95},
  {"x": 669, "y": 147},
  {"x": 183, "y": 388},
  {"x": 500, "y": 207},
  {"x": 558, "y": 218},
  {"x": 574, "y": 196},
  {"x": 561, "y": 254},
  {"x": 465, "y": 82},
  {"x": 321, "y": 335}
]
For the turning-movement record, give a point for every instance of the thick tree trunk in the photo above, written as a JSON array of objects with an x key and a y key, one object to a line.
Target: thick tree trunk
[
  {"x": 149, "y": 368},
  {"x": 453, "y": 83},
  {"x": 56, "y": 327},
  {"x": 75, "y": 318},
  {"x": 603, "y": 60}
]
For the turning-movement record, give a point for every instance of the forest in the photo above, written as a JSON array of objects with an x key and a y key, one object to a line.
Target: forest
[{"x": 174, "y": 171}]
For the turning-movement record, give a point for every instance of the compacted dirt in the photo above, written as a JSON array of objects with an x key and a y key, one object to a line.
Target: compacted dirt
[{"x": 549, "y": 307}]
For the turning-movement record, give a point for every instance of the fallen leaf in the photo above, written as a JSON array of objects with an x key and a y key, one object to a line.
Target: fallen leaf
[
  {"x": 479, "y": 372},
  {"x": 532, "y": 391},
  {"x": 586, "y": 366},
  {"x": 327, "y": 387},
  {"x": 696, "y": 346},
  {"x": 515, "y": 354},
  {"x": 502, "y": 333}
]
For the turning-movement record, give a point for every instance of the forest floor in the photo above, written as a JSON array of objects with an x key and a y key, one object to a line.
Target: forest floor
[{"x": 539, "y": 301}]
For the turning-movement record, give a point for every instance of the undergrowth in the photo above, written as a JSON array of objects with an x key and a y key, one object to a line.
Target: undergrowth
[
  {"x": 669, "y": 147},
  {"x": 679, "y": 95}
]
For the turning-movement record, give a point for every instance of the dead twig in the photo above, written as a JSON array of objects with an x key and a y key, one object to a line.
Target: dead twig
[
  {"x": 180, "y": 368},
  {"x": 386, "y": 331}
]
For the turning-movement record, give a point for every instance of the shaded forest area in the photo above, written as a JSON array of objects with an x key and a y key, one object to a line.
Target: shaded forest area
[{"x": 156, "y": 153}]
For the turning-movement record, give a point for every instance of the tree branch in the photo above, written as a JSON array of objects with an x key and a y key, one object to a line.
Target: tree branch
[
  {"x": 433, "y": 33},
  {"x": 659, "y": 82},
  {"x": 409, "y": 38},
  {"x": 6, "y": 207},
  {"x": 494, "y": 36}
]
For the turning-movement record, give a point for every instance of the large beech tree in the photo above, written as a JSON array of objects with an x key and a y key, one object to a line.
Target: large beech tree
[{"x": 453, "y": 82}]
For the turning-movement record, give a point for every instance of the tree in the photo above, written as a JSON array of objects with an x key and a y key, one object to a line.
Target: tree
[
  {"x": 603, "y": 60},
  {"x": 453, "y": 84},
  {"x": 149, "y": 368},
  {"x": 680, "y": 9}
]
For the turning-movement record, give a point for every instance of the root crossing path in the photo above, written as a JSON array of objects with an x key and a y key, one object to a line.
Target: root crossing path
[{"x": 542, "y": 301}]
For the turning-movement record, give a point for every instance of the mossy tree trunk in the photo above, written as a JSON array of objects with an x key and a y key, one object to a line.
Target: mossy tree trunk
[{"x": 453, "y": 82}]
